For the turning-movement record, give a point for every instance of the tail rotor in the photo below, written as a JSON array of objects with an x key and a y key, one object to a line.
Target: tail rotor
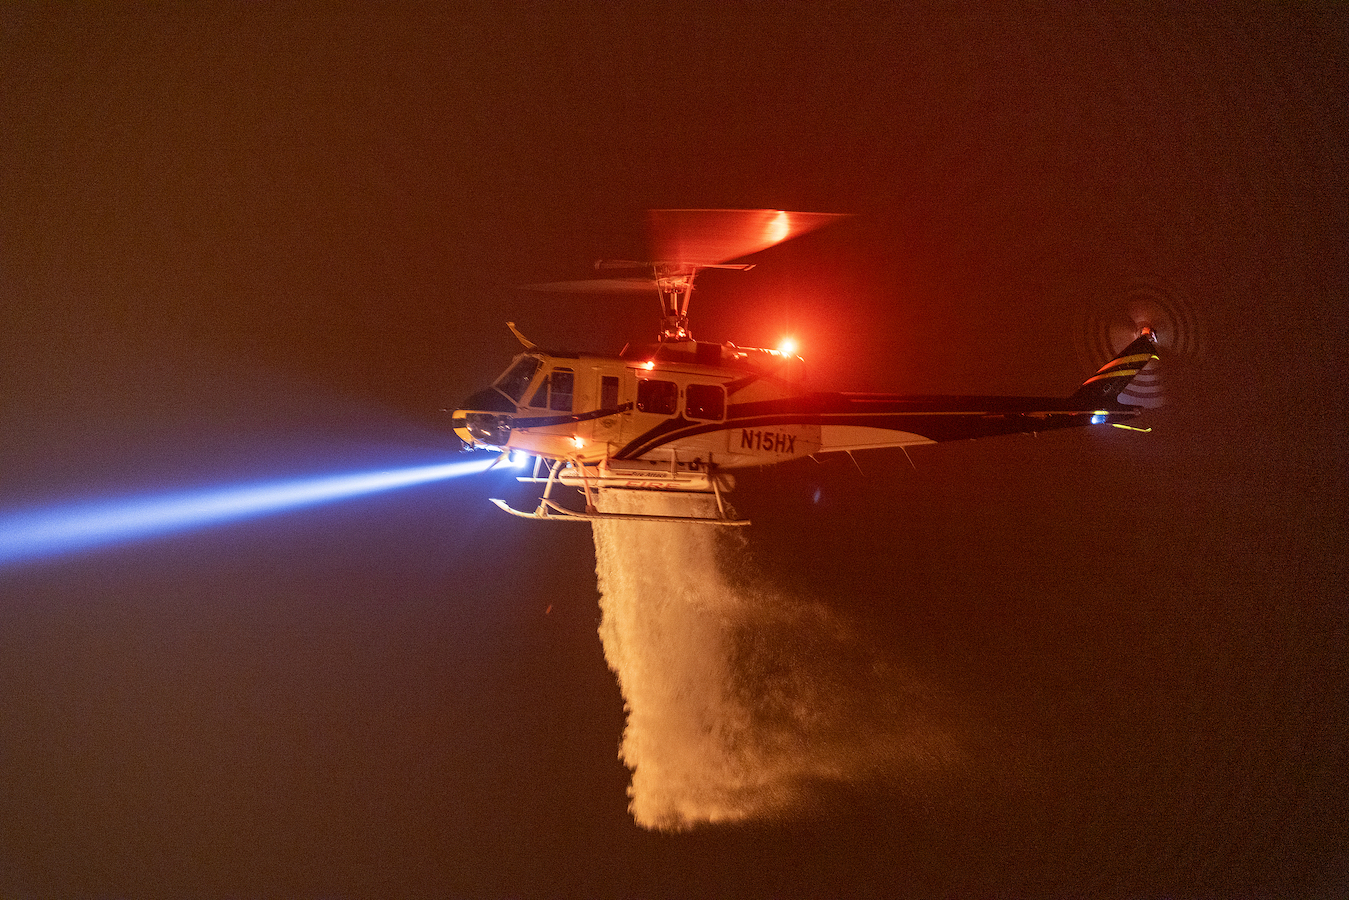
[{"x": 1150, "y": 308}]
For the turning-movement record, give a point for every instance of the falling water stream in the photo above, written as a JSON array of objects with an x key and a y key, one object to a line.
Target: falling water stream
[{"x": 742, "y": 702}]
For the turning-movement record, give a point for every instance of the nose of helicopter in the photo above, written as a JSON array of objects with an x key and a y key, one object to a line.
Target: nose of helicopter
[
  {"x": 480, "y": 429},
  {"x": 484, "y": 420}
]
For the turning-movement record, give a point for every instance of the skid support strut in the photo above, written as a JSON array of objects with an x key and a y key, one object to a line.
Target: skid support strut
[{"x": 590, "y": 479}]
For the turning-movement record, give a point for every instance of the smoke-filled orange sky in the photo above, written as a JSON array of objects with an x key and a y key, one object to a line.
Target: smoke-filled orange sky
[{"x": 240, "y": 241}]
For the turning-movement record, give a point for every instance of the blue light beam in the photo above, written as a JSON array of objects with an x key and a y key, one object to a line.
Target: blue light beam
[{"x": 70, "y": 529}]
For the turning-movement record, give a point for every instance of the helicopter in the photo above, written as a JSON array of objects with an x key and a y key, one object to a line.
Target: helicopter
[{"x": 678, "y": 414}]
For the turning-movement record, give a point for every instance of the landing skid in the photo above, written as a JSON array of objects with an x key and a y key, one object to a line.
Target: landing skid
[
  {"x": 554, "y": 512},
  {"x": 551, "y": 511}
]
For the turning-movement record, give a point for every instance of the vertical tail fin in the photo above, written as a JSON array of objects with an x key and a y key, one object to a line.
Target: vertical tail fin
[{"x": 1112, "y": 382}]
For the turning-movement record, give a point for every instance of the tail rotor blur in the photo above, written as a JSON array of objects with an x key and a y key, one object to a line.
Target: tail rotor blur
[{"x": 1145, "y": 307}]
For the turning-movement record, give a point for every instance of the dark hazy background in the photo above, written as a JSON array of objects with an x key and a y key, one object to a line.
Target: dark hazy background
[{"x": 241, "y": 241}]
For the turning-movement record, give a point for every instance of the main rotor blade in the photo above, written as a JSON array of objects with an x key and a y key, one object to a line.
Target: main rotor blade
[
  {"x": 597, "y": 286},
  {"x": 705, "y": 237}
]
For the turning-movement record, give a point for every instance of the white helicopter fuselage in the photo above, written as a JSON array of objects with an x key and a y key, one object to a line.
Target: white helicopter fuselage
[
  {"x": 697, "y": 405},
  {"x": 673, "y": 416},
  {"x": 663, "y": 410}
]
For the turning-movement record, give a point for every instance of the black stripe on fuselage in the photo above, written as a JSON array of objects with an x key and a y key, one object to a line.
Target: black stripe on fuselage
[
  {"x": 569, "y": 418},
  {"x": 935, "y": 418}
]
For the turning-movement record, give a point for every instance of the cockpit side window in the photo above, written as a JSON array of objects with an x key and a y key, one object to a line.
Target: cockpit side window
[
  {"x": 560, "y": 394},
  {"x": 517, "y": 378},
  {"x": 608, "y": 391},
  {"x": 555, "y": 391}
]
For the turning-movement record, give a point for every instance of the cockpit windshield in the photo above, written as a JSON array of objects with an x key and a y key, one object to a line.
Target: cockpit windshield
[{"x": 518, "y": 377}]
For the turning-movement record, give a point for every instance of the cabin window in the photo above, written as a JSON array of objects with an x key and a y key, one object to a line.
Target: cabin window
[
  {"x": 517, "y": 378},
  {"x": 660, "y": 397},
  {"x": 555, "y": 392},
  {"x": 608, "y": 391},
  {"x": 705, "y": 401}
]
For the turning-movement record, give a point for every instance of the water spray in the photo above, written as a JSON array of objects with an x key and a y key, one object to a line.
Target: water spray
[{"x": 742, "y": 703}]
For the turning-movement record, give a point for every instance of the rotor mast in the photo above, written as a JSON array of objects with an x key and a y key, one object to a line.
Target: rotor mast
[
  {"x": 686, "y": 241},
  {"x": 675, "y": 285},
  {"x": 674, "y": 281}
]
